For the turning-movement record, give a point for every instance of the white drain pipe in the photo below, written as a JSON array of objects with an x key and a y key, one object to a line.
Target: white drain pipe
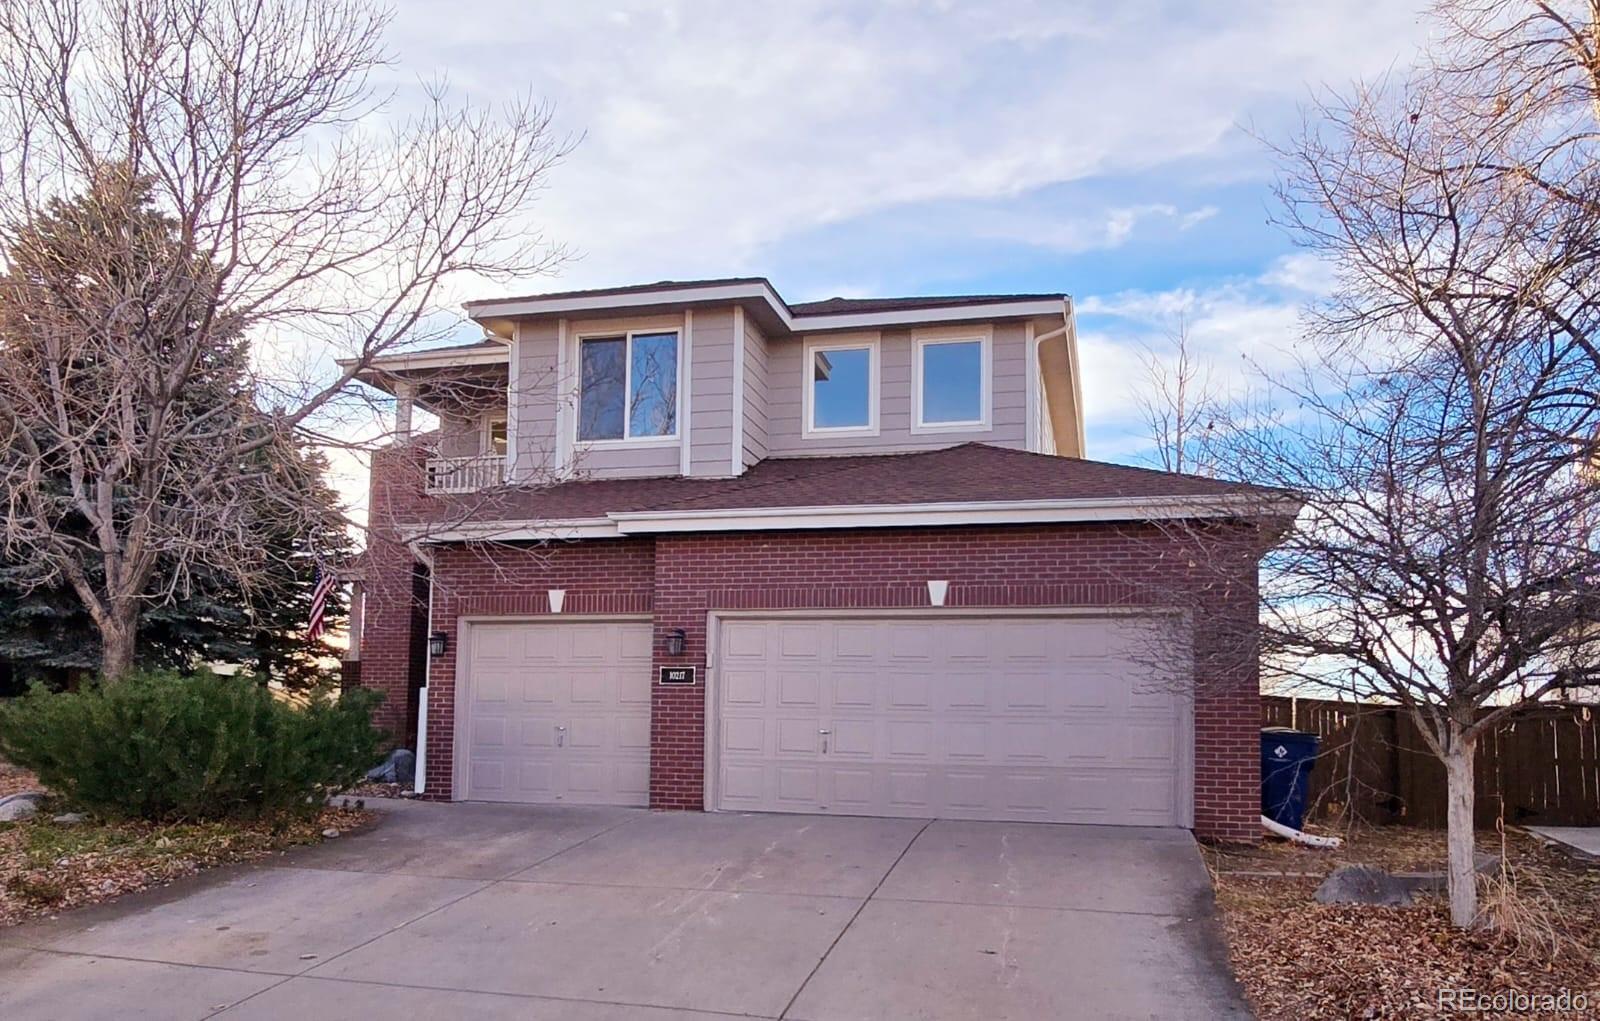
[
  {"x": 419, "y": 783},
  {"x": 1298, "y": 836}
]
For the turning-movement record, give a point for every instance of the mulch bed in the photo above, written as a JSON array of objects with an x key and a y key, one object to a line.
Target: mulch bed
[
  {"x": 48, "y": 867},
  {"x": 1298, "y": 959}
]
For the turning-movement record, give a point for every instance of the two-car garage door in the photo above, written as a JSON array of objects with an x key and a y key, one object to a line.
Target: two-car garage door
[{"x": 1028, "y": 718}]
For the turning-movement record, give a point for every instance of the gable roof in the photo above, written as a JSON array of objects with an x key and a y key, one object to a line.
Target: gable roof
[{"x": 872, "y": 488}]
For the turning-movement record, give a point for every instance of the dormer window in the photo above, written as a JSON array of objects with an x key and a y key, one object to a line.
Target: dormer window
[
  {"x": 629, "y": 386},
  {"x": 841, "y": 386}
]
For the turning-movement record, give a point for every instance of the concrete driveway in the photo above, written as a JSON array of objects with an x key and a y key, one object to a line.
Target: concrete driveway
[{"x": 453, "y": 911}]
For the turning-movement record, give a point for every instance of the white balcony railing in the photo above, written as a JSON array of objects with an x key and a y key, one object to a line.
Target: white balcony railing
[{"x": 465, "y": 474}]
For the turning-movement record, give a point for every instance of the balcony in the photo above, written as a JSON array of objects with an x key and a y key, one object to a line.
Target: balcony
[{"x": 464, "y": 474}]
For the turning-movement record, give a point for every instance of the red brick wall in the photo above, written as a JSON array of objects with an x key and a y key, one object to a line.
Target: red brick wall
[
  {"x": 680, "y": 579},
  {"x": 1002, "y": 566},
  {"x": 386, "y": 588}
]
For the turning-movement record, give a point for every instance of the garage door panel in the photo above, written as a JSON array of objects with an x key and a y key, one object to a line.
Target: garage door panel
[
  {"x": 908, "y": 643},
  {"x": 744, "y": 736},
  {"x": 558, "y": 711},
  {"x": 850, "y": 689},
  {"x": 1002, "y": 718},
  {"x": 964, "y": 690},
  {"x": 968, "y": 741},
  {"x": 910, "y": 691},
  {"x": 799, "y": 688},
  {"x": 854, "y": 641},
  {"x": 744, "y": 688},
  {"x": 797, "y": 785},
  {"x": 853, "y": 789},
  {"x": 799, "y": 641},
  {"x": 854, "y": 739},
  {"x": 798, "y": 736},
  {"x": 742, "y": 640},
  {"x": 1027, "y": 692}
]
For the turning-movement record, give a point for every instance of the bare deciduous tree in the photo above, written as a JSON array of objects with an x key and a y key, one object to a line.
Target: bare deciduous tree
[
  {"x": 1178, "y": 401},
  {"x": 1445, "y": 559},
  {"x": 289, "y": 217}
]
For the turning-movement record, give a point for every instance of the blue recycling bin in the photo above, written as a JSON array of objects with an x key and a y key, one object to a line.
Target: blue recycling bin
[{"x": 1286, "y": 760}]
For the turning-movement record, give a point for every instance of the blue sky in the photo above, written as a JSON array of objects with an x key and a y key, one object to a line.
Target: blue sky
[{"x": 1100, "y": 149}]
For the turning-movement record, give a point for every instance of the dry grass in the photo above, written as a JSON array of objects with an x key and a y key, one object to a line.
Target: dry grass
[{"x": 1302, "y": 960}]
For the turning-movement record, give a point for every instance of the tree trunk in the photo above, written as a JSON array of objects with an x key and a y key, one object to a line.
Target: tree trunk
[
  {"x": 116, "y": 650},
  {"x": 1463, "y": 875}
]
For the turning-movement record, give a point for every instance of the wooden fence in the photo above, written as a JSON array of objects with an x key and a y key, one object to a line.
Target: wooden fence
[{"x": 1541, "y": 768}]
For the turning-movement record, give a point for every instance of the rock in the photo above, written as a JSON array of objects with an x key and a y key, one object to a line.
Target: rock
[
  {"x": 70, "y": 818},
  {"x": 20, "y": 806},
  {"x": 399, "y": 767},
  {"x": 330, "y": 833},
  {"x": 1485, "y": 863},
  {"x": 1362, "y": 884}
]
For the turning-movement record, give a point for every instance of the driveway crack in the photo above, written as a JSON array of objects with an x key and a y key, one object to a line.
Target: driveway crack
[{"x": 857, "y": 914}]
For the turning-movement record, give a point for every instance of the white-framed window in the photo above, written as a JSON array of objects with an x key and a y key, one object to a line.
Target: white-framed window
[
  {"x": 840, "y": 383},
  {"x": 495, "y": 435},
  {"x": 628, "y": 387},
  {"x": 952, "y": 385}
]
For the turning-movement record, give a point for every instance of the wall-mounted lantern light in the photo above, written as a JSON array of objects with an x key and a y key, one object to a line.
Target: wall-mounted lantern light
[
  {"x": 675, "y": 641},
  {"x": 438, "y": 642}
]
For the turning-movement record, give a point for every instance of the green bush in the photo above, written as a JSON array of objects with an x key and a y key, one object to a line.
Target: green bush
[{"x": 164, "y": 747}]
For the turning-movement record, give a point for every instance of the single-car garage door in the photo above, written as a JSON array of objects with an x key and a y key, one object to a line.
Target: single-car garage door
[
  {"x": 556, "y": 711},
  {"x": 1052, "y": 719}
]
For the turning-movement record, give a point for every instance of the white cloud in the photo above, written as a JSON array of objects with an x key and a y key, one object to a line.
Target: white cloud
[
  {"x": 716, "y": 129},
  {"x": 1237, "y": 329}
]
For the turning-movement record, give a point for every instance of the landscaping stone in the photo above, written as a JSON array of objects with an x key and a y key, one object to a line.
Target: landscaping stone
[
  {"x": 1362, "y": 884},
  {"x": 330, "y": 833},
  {"x": 20, "y": 806},
  {"x": 70, "y": 818},
  {"x": 399, "y": 767}
]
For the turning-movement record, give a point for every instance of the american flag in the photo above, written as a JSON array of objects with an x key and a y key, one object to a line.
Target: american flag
[{"x": 325, "y": 581}]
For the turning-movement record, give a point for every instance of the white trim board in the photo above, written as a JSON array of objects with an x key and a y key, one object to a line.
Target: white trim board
[
  {"x": 767, "y": 519},
  {"x": 758, "y": 291}
]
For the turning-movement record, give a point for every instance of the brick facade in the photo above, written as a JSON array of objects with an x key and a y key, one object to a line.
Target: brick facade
[{"x": 681, "y": 579}]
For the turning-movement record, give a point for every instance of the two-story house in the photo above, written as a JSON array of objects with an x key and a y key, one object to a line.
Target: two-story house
[{"x": 688, "y": 545}]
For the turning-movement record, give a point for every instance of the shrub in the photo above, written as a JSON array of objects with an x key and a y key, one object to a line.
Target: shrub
[{"x": 162, "y": 746}]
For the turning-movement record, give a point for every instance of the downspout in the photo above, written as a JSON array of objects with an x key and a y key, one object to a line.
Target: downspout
[{"x": 419, "y": 783}]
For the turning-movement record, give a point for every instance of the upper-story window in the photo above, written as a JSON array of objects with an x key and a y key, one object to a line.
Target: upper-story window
[
  {"x": 951, "y": 370},
  {"x": 629, "y": 386},
  {"x": 841, "y": 386}
]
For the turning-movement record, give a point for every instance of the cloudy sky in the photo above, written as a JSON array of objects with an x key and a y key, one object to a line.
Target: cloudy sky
[{"x": 851, "y": 148}]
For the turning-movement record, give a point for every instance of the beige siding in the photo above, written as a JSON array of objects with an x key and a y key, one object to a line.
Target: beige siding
[
  {"x": 895, "y": 402},
  {"x": 536, "y": 398},
  {"x": 755, "y": 393},
  {"x": 711, "y": 408}
]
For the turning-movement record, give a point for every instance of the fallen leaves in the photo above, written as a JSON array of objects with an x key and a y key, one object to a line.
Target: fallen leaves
[
  {"x": 46, "y": 867},
  {"x": 1298, "y": 959}
]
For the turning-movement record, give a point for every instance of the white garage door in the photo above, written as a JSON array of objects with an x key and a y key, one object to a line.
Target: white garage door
[
  {"x": 1046, "y": 719},
  {"x": 557, "y": 711}
]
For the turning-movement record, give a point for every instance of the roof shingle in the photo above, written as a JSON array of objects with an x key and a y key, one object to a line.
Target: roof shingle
[{"x": 968, "y": 473}]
